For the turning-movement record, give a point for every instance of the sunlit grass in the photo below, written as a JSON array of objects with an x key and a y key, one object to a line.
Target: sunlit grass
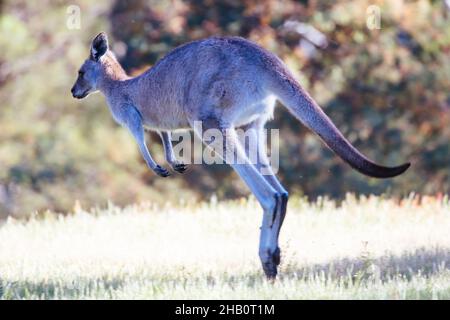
[{"x": 368, "y": 248}]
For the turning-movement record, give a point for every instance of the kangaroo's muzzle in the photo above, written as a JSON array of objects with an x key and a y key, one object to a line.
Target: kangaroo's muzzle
[{"x": 78, "y": 95}]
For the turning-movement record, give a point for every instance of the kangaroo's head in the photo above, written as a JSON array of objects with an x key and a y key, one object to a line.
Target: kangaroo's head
[{"x": 91, "y": 70}]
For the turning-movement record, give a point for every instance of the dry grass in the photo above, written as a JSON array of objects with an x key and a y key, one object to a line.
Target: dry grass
[{"x": 369, "y": 248}]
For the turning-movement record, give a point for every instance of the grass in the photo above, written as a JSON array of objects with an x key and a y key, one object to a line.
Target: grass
[{"x": 371, "y": 248}]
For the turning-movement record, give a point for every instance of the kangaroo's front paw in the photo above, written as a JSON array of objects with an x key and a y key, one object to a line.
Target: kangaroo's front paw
[
  {"x": 162, "y": 172},
  {"x": 179, "y": 167}
]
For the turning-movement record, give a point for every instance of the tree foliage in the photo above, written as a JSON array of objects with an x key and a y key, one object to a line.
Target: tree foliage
[{"x": 386, "y": 89}]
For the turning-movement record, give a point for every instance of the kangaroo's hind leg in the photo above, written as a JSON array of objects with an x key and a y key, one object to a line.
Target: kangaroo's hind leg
[
  {"x": 253, "y": 140},
  {"x": 232, "y": 152}
]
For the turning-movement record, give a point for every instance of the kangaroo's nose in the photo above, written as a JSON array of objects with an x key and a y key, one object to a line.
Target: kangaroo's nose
[{"x": 73, "y": 91}]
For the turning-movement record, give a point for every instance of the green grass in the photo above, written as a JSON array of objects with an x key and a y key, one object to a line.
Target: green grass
[{"x": 371, "y": 248}]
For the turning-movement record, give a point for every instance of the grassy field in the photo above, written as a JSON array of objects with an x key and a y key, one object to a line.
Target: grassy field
[{"x": 368, "y": 248}]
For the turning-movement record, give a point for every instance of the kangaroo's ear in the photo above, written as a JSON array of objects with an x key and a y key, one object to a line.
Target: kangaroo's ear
[{"x": 99, "y": 46}]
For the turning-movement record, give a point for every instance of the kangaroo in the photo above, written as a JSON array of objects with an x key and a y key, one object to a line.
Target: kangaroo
[{"x": 226, "y": 83}]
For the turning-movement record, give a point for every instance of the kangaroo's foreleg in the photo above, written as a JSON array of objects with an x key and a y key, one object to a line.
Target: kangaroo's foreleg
[
  {"x": 255, "y": 143},
  {"x": 169, "y": 154},
  {"x": 232, "y": 152},
  {"x": 132, "y": 120}
]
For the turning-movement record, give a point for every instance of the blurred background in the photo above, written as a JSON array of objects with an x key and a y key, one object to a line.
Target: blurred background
[{"x": 385, "y": 83}]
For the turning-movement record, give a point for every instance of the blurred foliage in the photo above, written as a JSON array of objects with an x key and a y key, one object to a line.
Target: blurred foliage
[{"x": 387, "y": 90}]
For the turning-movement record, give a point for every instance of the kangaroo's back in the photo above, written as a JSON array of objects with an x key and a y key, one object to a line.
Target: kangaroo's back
[{"x": 214, "y": 73}]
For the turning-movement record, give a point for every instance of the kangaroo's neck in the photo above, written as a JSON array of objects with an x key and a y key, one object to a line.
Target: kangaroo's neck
[{"x": 111, "y": 73}]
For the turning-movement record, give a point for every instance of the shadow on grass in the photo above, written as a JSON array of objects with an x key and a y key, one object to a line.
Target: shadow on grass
[
  {"x": 101, "y": 287},
  {"x": 422, "y": 261}
]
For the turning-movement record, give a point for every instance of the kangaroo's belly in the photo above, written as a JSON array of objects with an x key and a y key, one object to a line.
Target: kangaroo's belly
[{"x": 164, "y": 118}]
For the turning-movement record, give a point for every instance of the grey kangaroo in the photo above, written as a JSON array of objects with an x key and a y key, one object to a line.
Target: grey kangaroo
[{"x": 226, "y": 83}]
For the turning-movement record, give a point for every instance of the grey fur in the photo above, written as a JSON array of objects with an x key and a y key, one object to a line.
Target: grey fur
[{"x": 225, "y": 83}]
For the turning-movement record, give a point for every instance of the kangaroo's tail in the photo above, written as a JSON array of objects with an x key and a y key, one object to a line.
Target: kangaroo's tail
[{"x": 304, "y": 108}]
